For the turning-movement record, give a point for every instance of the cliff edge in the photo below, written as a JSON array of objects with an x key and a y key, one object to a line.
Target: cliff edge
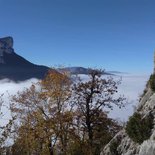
[{"x": 138, "y": 135}]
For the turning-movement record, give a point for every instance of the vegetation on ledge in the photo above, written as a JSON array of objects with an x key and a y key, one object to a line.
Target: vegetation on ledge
[{"x": 139, "y": 128}]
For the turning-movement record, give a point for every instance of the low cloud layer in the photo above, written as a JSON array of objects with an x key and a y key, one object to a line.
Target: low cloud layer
[
  {"x": 8, "y": 88},
  {"x": 12, "y": 87},
  {"x": 132, "y": 86}
]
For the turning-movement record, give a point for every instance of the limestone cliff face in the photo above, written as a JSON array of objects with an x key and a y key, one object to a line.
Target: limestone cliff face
[
  {"x": 6, "y": 43},
  {"x": 125, "y": 145},
  {"x": 15, "y": 67},
  {"x": 6, "y": 46}
]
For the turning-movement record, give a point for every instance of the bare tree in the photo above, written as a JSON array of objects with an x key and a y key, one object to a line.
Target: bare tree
[{"x": 91, "y": 97}]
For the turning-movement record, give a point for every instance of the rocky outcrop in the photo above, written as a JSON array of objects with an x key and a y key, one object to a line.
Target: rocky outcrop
[
  {"x": 6, "y": 46},
  {"x": 128, "y": 147},
  {"x": 15, "y": 67},
  {"x": 125, "y": 145},
  {"x": 6, "y": 42}
]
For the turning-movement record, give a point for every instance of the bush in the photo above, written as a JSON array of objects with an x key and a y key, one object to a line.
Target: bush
[
  {"x": 152, "y": 82},
  {"x": 138, "y": 128}
]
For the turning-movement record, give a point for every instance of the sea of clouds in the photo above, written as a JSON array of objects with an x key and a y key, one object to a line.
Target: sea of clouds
[
  {"x": 9, "y": 88},
  {"x": 131, "y": 87}
]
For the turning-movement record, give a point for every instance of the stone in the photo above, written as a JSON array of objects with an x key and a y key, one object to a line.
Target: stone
[
  {"x": 7, "y": 41},
  {"x": 147, "y": 148},
  {"x": 6, "y": 46}
]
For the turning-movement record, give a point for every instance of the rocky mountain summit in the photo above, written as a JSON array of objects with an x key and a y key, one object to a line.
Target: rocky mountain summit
[
  {"x": 6, "y": 46},
  {"x": 15, "y": 67},
  {"x": 138, "y": 135}
]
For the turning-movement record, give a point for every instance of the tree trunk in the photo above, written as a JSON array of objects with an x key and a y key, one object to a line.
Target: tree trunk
[{"x": 89, "y": 128}]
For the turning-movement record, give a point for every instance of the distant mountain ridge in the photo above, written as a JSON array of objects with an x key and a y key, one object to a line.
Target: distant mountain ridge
[
  {"x": 74, "y": 70},
  {"x": 15, "y": 67},
  {"x": 83, "y": 70}
]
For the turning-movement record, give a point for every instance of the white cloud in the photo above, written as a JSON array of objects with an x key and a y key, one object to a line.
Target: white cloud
[
  {"x": 7, "y": 88},
  {"x": 132, "y": 86},
  {"x": 13, "y": 87}
]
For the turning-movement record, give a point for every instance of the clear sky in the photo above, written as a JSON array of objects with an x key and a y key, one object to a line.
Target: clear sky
[{"x": 112, "y": 34}]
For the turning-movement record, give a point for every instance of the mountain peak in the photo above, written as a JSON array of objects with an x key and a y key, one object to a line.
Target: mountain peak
[
  {"x": 6, "y": 46},
  {"x": 14, "y": 66}
]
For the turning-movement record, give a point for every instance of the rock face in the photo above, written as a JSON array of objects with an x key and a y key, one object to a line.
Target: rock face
[
  {"x": 125, "y": 145},
  {"x": 6, "y": 46},
  {"x": 15, "y": 67},
  {"x": 6, "y": 43}
]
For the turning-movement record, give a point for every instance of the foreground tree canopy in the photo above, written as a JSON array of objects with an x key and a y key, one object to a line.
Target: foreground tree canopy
[{"x": 59, "y": 115}]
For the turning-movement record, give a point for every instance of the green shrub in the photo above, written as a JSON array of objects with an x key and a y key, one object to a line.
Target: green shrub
[
  {"x": 152, "y": 82},
  {"x": 138, "y": 128}
]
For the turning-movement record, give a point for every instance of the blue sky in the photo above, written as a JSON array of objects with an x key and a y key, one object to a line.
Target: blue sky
[{"x": 112, "y": 34}]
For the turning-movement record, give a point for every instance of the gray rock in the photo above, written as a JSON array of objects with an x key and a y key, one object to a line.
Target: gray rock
[
  {"x": 7, "y": 42},
  {"x": 147, "y": 148},
  {"x": 126, "y": 145},
  {"x": 6, "y": 45}
]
